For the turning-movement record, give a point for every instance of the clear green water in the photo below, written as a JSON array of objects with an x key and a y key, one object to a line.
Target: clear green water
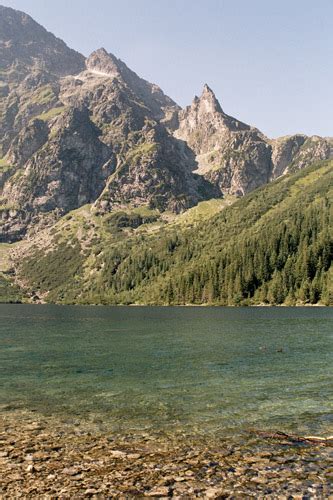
[{"x": 204, "y": 370}]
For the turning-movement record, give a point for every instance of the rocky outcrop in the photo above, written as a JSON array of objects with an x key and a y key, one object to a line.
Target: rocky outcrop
[
  {"x": 101, "y": 63},
  {"x": 32, "y": 98},
  {"x": 23, "y": 147},
  {"x": 31, "y": 62},
  {"x": 231, "y": 154},
  {"x": 27, "y": 142},
  {"x": 293, "y": 153},
  {"x": 284, "y": 150},
  {"x": 156, "y": 171},
  {"x": 69, "y": 171},
  {"x": 312, "y": 150},
  {"x": 241, "y": 164},
  {"x": 119, "y": 101},
  {"x": 204, "y": 125}
]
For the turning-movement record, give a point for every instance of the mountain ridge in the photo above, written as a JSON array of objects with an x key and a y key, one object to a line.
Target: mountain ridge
[
  {"x": 162, "y": 156},
  {"x": 90, "y": 148}
]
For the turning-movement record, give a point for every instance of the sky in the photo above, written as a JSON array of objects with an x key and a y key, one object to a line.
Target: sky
[{"x": 269, "y": 62}]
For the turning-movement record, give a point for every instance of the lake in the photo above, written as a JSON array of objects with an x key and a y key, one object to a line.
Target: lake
[{"x": 191, "y": 369}]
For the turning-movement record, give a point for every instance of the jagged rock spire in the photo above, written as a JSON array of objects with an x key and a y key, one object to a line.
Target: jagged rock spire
[{"x": 209, "y": 99}]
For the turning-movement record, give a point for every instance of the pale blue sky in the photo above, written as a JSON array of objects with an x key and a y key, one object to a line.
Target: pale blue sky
[{"x": 270, "y": 62}]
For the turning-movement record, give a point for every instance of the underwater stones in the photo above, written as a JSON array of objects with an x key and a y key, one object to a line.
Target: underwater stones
[
  {"x": 162, "y": 491},
  {"x": 63, "y": 463}
]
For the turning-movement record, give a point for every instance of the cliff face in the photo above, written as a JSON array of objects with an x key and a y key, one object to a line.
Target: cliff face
[
  {"x": 236, "y": 157},
  {"x": 204, "y": 125},
  {"x": 293, "y": 153},
  {"x": 68, "y": 171},
  {"x": 76, "y": 131},
  {"x": 230, "y": 154}
]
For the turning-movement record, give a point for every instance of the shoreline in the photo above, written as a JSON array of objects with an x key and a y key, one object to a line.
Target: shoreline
[
  {"x": 213, "y": 306},
  {"x": 50, "y": 457}
]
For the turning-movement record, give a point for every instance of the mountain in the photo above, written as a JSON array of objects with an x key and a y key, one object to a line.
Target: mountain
[
  {"x": 77, "y": 131},
  {"x": 239, "y": 158},
  {"x": 273, "y": 246},
  {"x": 64, "y": 125},
  {"x": 91, "y": 149},
  {"x": 31, "y": 62},
  {"x": 27, "y": 47},
  {"x": 101, "y": 63}
]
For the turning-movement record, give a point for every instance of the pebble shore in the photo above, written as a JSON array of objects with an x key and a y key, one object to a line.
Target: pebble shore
[{"x": 41, "y": 457}]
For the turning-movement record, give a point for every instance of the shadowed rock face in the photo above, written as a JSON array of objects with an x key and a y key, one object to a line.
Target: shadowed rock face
[
  {"x": 156, "y": 172},
  {"x": 76, "y": 131},
  {"x": 70, "y": 170}
]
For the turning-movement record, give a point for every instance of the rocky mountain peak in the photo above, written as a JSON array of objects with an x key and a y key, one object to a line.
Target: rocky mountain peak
[
  {"x": 209, "y": 100},
  {"x": 207, "y": 103},
  {"x": 104, "y": 135},
  {"x": 203, "y": 124},
  {"x": 26, "y": 44},
  {"x": 105, "y": 64}
]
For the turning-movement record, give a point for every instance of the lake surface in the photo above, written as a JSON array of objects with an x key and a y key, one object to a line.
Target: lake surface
[{"x": 201, "y": 370}]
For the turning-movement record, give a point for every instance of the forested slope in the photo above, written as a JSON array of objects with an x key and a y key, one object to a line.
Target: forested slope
[{"x": 274, "y": 246}]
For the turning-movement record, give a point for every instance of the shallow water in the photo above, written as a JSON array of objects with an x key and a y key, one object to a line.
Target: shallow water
[{"x": 201, "y": 370}]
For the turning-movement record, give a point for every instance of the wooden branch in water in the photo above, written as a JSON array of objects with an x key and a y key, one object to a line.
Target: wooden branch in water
[{"x": 326, "y": 441}]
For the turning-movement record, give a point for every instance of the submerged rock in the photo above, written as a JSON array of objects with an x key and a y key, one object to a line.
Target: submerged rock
[{"x": 179, "y": 466}]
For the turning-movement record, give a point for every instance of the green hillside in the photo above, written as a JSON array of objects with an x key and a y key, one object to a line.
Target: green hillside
[{"x": 274, "y": 246}]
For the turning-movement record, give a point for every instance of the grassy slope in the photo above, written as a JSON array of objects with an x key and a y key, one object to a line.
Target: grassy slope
[
  {"x": 258, "y": 250},
  {"x": 9, "y": 292}
]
